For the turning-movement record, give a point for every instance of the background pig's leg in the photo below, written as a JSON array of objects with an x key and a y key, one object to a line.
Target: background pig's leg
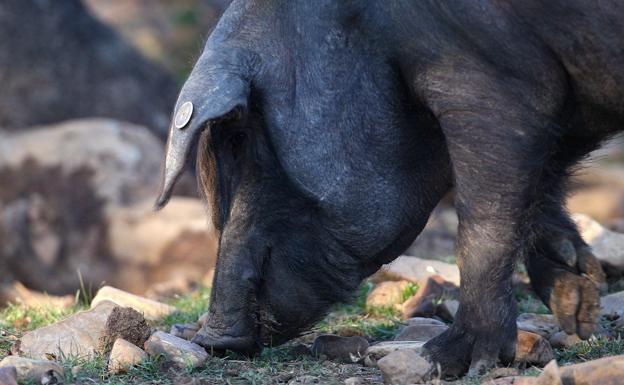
[{"x": 563, "y": 271}]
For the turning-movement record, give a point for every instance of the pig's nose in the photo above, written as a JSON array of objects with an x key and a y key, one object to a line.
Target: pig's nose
[{"x": 217, "y": 340}]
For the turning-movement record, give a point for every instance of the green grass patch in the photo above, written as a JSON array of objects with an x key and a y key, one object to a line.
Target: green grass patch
[{"x": 191, "y": 307}]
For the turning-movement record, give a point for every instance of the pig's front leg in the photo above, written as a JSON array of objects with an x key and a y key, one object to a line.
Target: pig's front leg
[{"x": 493, "y": 150}]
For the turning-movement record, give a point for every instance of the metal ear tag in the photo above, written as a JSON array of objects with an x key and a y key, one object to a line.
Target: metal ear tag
[{"x": 183, "y": 115}]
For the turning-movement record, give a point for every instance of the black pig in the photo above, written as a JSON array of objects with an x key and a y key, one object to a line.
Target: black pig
[{"x": 328, "y": 130}]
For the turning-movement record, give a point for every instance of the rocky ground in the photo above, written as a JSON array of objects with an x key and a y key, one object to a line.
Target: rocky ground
[{"x": 120, "y": 338}]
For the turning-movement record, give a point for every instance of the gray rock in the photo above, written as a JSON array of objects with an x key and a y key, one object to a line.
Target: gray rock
[
  {"x": 343, "y": 349},
  {"x": 355, "y": 381},
  {"x": 423, "y": 321},
  {"x": 8, "y": 375},
  {"x": 419, "y": 270},
  {"x": 28, "y": 370},
  {"x": 85, "y": 334},
  {"x": 123, "y": 356},
  {"x": 382, "y": 349},
  {"x": 612, "y": 305},
  {"x": 177, "y": 351},
  {"x": 543, "y": 324},
  {"x": 404, "y": 367},
  {"x": 151, "y": 310},
  {"x": 184, "y": 331},
  {"x": 607, "y": 245},
  {"x": 564, "y": 340},
  {"x": 420, "y": 332},
  {"x": 304, "y": 380}
]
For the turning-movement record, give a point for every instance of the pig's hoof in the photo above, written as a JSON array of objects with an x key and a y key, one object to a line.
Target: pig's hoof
[
  {"x": 569, "y": 280},
  {"x": 456, "y": 352},
  {"x": 217, "y": 344}
]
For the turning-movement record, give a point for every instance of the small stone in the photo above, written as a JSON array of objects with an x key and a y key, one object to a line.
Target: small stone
[
  {"x": 354, "y": 381},
  {"x": 543, "y": 324},
  {"x": 304, "y": 380},
  {"x": 562, "y": 339},
  {"x": 387, "y": 294},
  {"x": 419, "y": 270},
  {"x": 151, "y": 310},
  {"x": 178, "y": 351},
  {"x": 404, "y": 367},
  {"x": 427, "y": 302},
  {"x": 533, "y": 349},
  {"x": 34, "y": 370},
  {"x": 514, "y": 380},
  {"x": 612, "y": 305},
  {"x": 604, "y": 371},
  {"x": 343, "y": 349},
  {"x": 423, "y": 321},
  {"x": 606, "y": 245},
  {"x": 420, "y": 332},
  {"x": 203, "y": 319},
  {"x": 550, "y": 375},
  {"x": 382, "y": 349},
  {"x": 184, "y": 331},
  {"x": 124, "y": 355},
  {"x": 8, "y": 375}
]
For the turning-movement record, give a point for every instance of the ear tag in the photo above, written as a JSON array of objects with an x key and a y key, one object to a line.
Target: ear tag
[{"x": 183, "y": 115}]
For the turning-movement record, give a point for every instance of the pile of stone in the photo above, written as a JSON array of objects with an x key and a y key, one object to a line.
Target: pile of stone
[{"x": 117, "y": 326}]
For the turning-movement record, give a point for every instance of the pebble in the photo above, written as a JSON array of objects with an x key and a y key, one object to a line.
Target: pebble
[
  {"x": 123, "y": 356},
  {"x": 343, "y": 349},
  {"x": 404, "y": 367},
  {"x": 178, "y": 351},
  {"x": 533, "y": 349},
  {"x": 420, "y": 332},
  {"x": 151, "y": 310},
  {"x": 564, "y": 340},
  {"x": 29, "y": 370}
]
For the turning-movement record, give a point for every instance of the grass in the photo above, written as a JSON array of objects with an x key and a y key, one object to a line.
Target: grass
[{"x": 274, "y": 365}]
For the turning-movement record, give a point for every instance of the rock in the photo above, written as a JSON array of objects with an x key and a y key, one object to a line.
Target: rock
[
  {"x": 98, "y": 74},
  {"x": 533, "y": 349},
  {"x": 601, "y": 192},
  {"x": 151, "y": 310},
  {"x": 84, "y": 334},
  {"x": 417, "y": 321},
  {"x": 201, "y": 321},
  {"x": 303, "y": 380},
  {"x": 514, "y": 380},
  {"x": 550, "y": 375},
  {"x": 33, "y": 370},
  {"x": 382, "y": 349},
  {"x": 343, "y": 349},
  {"x": 404, "y": 367},
  {"x": 420, "y": 332},
  {"x": 564, "y": 340},
  {"x": 175, "y": 350},
  {"x": 543, "y": 324},
  {"x": 8, "y": 375},
  {"x": 184, "y": 331},
  {"x": 54, "y": 206},
  {"x": 604, "y": 371},
  {"x": 438, "y": 238},
  {"x": 184, "y": 253},
  {"x": 607, "y": 246},
  {"x": 124, "y": 355},
  {"x": 419, "y": 270},
  {"x": 354, "y": 381},
  {"x": 427, "y": 302},
  {"x": 612, "y": 305},
  {"x": 18, "y": 293},
  {"x": 387, "y": 294}
]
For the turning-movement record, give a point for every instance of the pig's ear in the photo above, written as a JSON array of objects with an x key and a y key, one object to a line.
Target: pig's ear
[{"x": 209, "y": 95}]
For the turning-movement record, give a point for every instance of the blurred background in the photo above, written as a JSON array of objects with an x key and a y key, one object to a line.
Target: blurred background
[{"x": 86, "y": 92}]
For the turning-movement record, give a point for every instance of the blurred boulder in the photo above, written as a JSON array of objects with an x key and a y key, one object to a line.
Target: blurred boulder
[
  {"x": 599, "y": 192},
  {"x": 607, "y": 245},
  {"x": 77, "y": 197},
  {"x": 58, "y": 62},
  {"x": 437, "y": 240}
]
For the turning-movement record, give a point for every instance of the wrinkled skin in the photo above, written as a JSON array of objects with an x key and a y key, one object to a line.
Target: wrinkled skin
[{"x": 328, "y": 131}]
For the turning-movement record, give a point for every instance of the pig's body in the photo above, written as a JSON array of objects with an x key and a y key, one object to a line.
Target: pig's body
[{"x": 335, "y": 128}]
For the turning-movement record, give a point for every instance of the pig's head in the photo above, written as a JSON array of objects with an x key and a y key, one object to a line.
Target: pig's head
[
  {"x": 277, "y": 270},
  {"x": 284, "y": 257}
]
